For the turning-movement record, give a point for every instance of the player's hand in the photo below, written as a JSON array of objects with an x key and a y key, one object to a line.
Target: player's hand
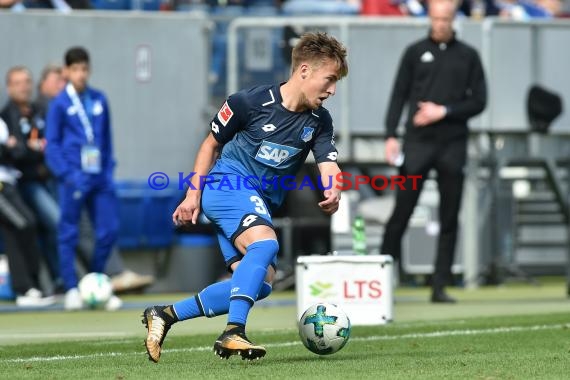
[
  {"x": 330, "y": 204},
  {"x": 428, "y": 113},
  {"x": 392, "y": 150},
  {"x": 187, "y": 211}
]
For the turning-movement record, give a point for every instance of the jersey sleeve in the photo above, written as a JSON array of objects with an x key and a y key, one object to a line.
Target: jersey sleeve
[
  {"x": 231, "y": 118},
  {"x": 324, "y": 149}
]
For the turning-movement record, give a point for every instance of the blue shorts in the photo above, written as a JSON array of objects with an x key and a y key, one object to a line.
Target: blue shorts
[{"x": 233, "y": 208}]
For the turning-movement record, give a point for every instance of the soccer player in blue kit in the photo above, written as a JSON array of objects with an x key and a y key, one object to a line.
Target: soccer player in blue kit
[{"x": 259, "y": 136}]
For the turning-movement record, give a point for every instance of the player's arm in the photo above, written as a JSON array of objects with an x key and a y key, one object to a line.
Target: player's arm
[
  {"x": 189, "y": 209},
  {"x": 476, "y": 93},
  {"x": 227, "y": 122},
  {"x": 326, "y": 155},
  {"x": 329, "y": 172}
]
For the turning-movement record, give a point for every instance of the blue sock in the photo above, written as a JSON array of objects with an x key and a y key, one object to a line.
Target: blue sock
[
  {"x": 212, "y": 301},
  {"x": 248, "y": 278}
]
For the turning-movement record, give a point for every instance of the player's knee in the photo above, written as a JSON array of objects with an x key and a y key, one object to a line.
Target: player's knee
[
  {"x": 272, "y": 246},
  {"x": 253, "y": 235},
  {"x": 265, "y": 250}
]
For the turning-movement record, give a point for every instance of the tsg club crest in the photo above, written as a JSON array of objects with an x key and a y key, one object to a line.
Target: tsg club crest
[{"x": 307, "y": 134}]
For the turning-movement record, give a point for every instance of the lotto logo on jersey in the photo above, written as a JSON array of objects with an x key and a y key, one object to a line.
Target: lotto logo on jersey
[
  {"x": 225, "y": 114},
  {"x": 332, "y": 156},
  {"x": 272, "y": 154}
]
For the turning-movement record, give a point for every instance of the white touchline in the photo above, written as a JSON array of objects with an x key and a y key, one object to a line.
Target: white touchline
[
  {"x": 435, "y": 334},
  {"x": 71, "y": 335}
]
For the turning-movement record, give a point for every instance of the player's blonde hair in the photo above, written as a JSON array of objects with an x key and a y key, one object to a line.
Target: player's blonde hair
[{"x": 314, "y": 47}]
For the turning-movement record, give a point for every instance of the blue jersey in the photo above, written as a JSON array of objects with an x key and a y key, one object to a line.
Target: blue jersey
[
  {"x": 263, "y": 141},
  {"x": 65, "y": 133}
]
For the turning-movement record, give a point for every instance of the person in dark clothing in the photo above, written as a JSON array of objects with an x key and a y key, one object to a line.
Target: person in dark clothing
[
  {"x": 17, "y": 223},
  {"x": 442, "y": 81},
  {"x": 64, "y": 6},
  {"x": 27, "y": 127}
]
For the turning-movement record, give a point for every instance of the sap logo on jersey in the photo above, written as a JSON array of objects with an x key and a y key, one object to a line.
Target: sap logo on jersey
[
  {"x": 225, "y": 114},
  {"x": 272, "y": 154}
]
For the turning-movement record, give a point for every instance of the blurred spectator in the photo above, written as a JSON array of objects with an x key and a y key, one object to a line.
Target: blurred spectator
[
  {"x": 79, "y": 151},
  {"x": 13, "y": 5},
  {"x": 565, "y": 9},
  {"x": 554, "y": 7},
  {"x": 522, "y": 10},
  {"x": 224, "y": 3},
  {"x": 478, "y": 9},
  {"x": 299, "y": 7},
  {"x": 27, "y": 127},
  {"x": 51, "y": 83},
  {"x": 383, "y": 8},
  {"x": 17, "y": 225},
  {"x": 59, "y": 5},
  {"x": 414, "y": 8},
  {"x": 64, "y": 6}
]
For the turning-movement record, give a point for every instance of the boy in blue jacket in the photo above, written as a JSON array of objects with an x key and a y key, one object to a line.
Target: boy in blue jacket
[{"x": 80, "y": 154}]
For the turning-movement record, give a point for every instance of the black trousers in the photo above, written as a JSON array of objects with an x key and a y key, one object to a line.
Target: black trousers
[
  {"x": 18, "y": 227},
  {"x": 448, "y": 158}
]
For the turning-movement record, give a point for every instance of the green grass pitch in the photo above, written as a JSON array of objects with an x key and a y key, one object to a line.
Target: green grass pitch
[{"x": 512, "y": 332}]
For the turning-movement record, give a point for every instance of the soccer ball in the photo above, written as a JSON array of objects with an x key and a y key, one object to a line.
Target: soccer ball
[
  {"x": 324, "y": 328},
  {"x": 95, "y": 289}
]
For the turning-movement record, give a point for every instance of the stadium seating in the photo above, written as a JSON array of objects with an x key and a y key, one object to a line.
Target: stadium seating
[
  {"x": 259, "y": 3},
  {"x": 145, "y": 215},
  {"x": 319, "y": 7},
  {"x": 261, "y": 11},
  {"x": 147, "y": 5},
  {"x": 117, "y": 5},
  {"x": 113, "y": 5},
  {"x": 185, "y": 6}
]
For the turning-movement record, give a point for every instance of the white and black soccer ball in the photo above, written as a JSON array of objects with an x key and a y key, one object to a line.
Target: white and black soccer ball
[
  {"x": 95, "y": 289},
  {"x": 324, "y": 328}
]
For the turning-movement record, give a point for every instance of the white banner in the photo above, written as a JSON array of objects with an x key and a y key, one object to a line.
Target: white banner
[{"x": 360, "y": 285}]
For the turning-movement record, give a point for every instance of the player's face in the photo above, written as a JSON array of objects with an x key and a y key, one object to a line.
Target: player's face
[
  {"x": 319, "y": 83},
  {"x": 78, "y": 74},
  {"x": 20, "y": 86}
]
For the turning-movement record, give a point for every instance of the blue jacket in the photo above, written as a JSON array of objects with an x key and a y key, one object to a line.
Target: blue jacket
[{"x": 65, "y": 134}]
